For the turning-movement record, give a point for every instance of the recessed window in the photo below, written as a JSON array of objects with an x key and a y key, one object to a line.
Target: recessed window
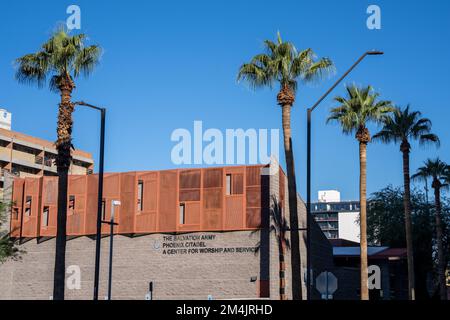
[
  {"x": 228, "y": 186},
  {"x": 45, "y": 216},
  {"x": 15, "y": 213},
  {"x": 140, "y": 203},
  {"x": 28, "y": 205},
  {"x": 103, "y": 209},
  {"x": 72, "y": 202},
  {"x": 182, "y": 213}
]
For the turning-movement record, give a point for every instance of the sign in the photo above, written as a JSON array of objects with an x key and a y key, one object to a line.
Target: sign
[
  {"x": 196, "y": 244},
  {"x": 326, "y": 284}
]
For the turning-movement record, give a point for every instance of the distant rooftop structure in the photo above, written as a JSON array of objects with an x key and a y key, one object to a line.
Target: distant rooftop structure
[
  {"x": 25, "y": 156},
  {"x": 329, "y": 196},
  {"x": 5, "y": 119},
  {"x": 336, "y": 218}
]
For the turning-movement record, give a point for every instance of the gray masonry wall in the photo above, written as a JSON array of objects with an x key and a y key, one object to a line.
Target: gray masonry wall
[{"x": 177, "y": 273}]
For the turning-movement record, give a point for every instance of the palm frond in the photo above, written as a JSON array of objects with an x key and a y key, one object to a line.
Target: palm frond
[
  {"x": 357, "y": 109},
  {"x": 86, "y": 60},
  {"x": 405, "y": 125},
  {"x": 61, "y": 55},
  {"x": 282, "y": 63}
]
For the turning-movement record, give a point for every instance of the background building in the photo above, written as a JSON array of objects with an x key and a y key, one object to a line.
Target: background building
[
  {"x": 25, "y": 156},
  {"x": 337, "y": 219},
  {"x": 391, "y": 262}
]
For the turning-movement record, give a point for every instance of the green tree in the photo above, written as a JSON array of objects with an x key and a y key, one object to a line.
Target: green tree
[
  {"x": 284, "y": 65},
  {"x": 8, "y": 247},
  {"x": 386, "y": 226},
  {"x": 62, "y": 58},
  {"x": 401, "y": 127},
  {"x": 437, "y": 170},
  {"x": 353, "y": 114}
]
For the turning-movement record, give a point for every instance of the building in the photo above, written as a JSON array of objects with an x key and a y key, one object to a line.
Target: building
[
  {"x": 337, "y": 219},
  {"x": 24, "y": 156},
  {"x": 192, "y": 233},
  {"x": 391, "y": 263}
]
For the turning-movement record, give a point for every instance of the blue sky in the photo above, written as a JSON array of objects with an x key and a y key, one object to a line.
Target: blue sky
[{"x": 169, "y": 63}]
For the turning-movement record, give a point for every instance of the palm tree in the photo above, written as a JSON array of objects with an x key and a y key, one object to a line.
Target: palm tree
[
  {"x": 437, "y": 170},
  {"x": 354, "y": 113},
  {"x": 402, "y": 126},
  {"x": 284, "y": 65},
  {"x": 61, "y": 59},
  {"x": 279, "y": 226}
]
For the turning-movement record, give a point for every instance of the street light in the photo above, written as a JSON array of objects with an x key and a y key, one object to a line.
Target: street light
[
  {"x": 114, "y": 204},
  {"x": 308, "y": 165},
  {"x": 100, "y": 193}
]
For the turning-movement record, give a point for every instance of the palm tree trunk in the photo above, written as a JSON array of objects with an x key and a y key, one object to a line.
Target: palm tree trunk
[
  {"x": 282, "y": 270},
  {"x": 408, "y": 224},
  {"x": 293, "y": 215},
  {"x": 363, "y": 219},
  {"x": 63, "y": 160},
  {"x": 440, "y": 247}
]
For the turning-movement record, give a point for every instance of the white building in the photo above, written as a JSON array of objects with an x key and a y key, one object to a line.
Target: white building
[
  {"x": 5, "y": 119},
  {"x": 337, "y": 219}
]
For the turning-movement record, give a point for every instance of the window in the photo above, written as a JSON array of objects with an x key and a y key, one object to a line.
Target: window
[
  {"x": 28, "y": 206},
  {"x": 72, "y": 202},
  {"x": 228, "y": 181},
  {"x": 103, "y": 209},
  {"x": 140, "y": 203},
  {"x": 45, "y": 216},
  {"x": 15, "y": 213},
  {"x": 182, "y": 213}
]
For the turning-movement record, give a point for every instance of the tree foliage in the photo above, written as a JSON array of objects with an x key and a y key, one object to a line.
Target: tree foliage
[
  {"x": 386, "y": 227},
  {"x": 283, "y": 64},
  {"x": 62, "y": 56},
  {"x": 8, "y": 247}
]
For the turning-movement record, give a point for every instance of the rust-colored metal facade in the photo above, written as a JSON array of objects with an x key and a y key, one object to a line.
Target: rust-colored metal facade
[{"x": 183, "y": 200}]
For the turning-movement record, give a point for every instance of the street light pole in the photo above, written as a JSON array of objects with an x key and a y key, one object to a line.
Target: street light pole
[
  {"x": 308, "y": 168},
  {"x": 111, "y": 223},
  {"x": 100, "y": 193}
]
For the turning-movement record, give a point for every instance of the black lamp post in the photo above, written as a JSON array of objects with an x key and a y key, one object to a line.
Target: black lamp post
[
  {"x": 111, "y": 224},
  {"x": 100, "y": 193},
  {"x": 308, "y": 166}
]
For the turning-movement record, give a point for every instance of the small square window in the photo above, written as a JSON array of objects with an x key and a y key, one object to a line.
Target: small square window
[
  {"x": 45, "y": 216},
  {"x": 28, "y": 203},
  {"x": 72, "y": 202},
  {"x": 228, "y": 184},
  {"x": 182, "y": 213},
  {"x": 15, "y": 213},
  {"x": 103, "y": 209},
  {"x": 140, "y": 202}
]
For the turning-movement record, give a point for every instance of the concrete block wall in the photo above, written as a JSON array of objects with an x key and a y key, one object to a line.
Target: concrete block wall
[{"x": 137, "y": 261}]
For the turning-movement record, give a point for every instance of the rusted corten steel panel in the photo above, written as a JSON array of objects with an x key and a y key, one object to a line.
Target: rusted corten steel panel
[
  {"x": 111, "y": 191},
  {"x": 168, "y": 201},
  {"x": 49, "y": 207},
  {"x": 76, "y": 205},
  {"x": 90, "y": 225},
  {"x": 235, "y": 204},
  {"x": 31, "y": 207},
  {"x": 17, "y": 205},
  {"x": 188, "y": 200},
  {"x": 213, "y": 199},
  {"x": 127, "y": 211},
  {"x": 146, "y": 214},
  {"x": 190, "y": 193}
]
